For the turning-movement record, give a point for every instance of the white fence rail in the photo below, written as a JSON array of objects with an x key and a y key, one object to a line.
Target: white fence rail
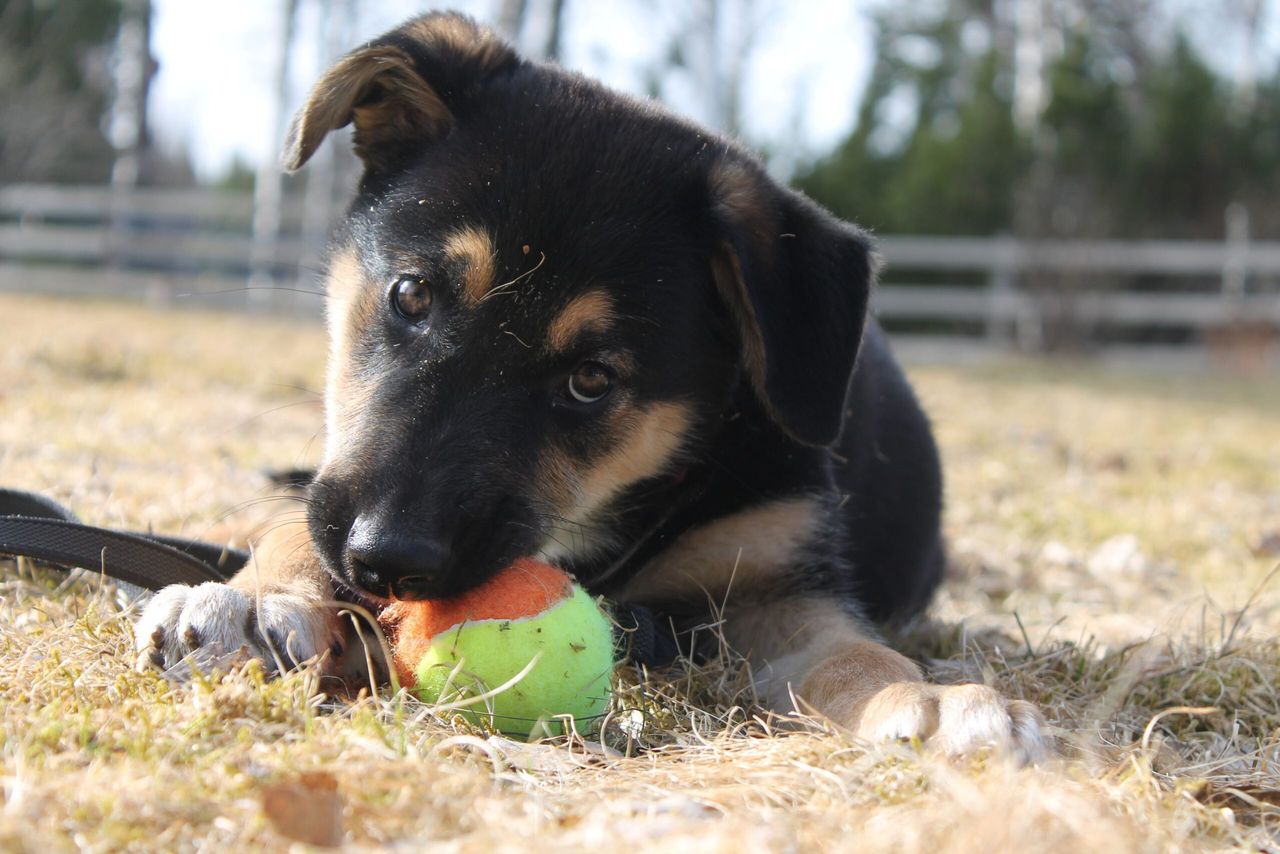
[
  {"x": 196, "y": 245},
  {"x": 156, "y": 244}
]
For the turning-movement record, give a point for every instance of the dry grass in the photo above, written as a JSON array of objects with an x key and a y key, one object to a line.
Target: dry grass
[{"x": 1108, "y": 530}]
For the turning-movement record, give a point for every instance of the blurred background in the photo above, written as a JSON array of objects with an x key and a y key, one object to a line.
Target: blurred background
[{"x": 1092, "y": 178}]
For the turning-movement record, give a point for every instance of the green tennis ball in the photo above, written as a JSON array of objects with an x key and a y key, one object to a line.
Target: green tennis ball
[{"x": 531, "y": 615}]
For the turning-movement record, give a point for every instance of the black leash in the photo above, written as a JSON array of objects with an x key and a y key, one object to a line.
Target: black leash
[{"x": 36, "y": 527}]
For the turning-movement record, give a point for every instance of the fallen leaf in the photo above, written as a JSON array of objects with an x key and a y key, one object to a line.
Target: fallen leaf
[{"x": 308, "y": 809}]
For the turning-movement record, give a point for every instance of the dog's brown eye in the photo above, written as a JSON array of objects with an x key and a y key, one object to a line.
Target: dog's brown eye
[
  {"x": 590, "y": 382},
  {"x": 411, "y": 297}
]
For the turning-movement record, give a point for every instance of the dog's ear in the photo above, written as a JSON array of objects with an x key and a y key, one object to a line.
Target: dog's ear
[
  {"x": 797, "y": 282},
  {"x": 400, "y": 90}
]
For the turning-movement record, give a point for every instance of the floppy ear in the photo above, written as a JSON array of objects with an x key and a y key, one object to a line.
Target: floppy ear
[
  {"x": 797, "y": 281},
  {"x": 400, "y": 90}
]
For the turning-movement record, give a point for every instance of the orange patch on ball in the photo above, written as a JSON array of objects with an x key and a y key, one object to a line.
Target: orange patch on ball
[{"x": 525, "y": 589}]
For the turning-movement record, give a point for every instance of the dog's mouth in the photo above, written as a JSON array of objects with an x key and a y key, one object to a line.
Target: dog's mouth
[
  {"x": 391, "y": 552},
  {"x": 416, "y": 550},
  {"x": 345, "y": 592}
]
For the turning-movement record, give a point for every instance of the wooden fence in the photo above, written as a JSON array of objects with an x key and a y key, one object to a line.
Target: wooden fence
[
  {"x": 195, "y": 247},
  {"x": 1166, "y": 290},
  {"x": 190, "y": 246}
]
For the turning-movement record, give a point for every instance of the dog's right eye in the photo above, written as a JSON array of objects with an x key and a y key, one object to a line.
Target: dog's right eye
[{"x": 411, "y": 298}]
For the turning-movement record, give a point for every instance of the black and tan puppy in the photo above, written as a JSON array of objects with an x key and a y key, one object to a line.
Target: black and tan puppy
[{"x": 566, "y": 323}]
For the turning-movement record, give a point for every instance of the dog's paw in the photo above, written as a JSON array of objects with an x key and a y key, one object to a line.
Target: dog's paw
[
  {"x": 217, "y": 625},
  {"x": 955, "y": 719}
]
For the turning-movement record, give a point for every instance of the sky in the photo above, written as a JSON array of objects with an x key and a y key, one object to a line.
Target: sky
[
  {"x": 811, "y": 58},
  {"x": 212, "y": 92}
]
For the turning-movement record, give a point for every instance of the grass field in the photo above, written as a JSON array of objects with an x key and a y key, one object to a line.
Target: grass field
[{"x": 1112, "y": 535}]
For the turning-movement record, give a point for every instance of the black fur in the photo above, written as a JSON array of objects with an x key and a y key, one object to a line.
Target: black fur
[{"x": 581, "y": 189}]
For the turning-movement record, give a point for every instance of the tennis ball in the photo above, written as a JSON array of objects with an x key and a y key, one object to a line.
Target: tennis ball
[{"x": 449, "y": 650}]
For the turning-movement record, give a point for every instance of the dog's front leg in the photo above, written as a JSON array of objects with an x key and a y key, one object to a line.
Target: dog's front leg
[
  {"x": 813, "y": 654},
  {"x": 278, "y": 609}
]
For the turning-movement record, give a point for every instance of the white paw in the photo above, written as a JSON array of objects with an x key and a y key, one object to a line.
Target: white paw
[
  {"x": 219, "y": 625},
  {"x": 956, "y": 719}
]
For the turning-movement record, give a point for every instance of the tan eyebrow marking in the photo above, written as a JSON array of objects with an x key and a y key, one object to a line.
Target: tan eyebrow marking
[
  {"x": 592, "y": 311},
  {"x": 472, "y": 248}
]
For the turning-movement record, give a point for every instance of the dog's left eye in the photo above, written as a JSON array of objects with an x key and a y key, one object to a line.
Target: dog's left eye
[
  {"x": 411, "y": 297},
  {"x": 590, "y": 382}
]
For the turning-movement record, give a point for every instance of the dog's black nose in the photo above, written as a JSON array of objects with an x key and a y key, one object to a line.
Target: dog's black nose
[{"x": 389, "y": 561}]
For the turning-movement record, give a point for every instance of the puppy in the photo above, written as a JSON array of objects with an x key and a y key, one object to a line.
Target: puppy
[{"x": 566, "y": 323}]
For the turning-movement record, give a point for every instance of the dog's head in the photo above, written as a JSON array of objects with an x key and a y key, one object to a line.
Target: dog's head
[{"x": 542, "y": 305}]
